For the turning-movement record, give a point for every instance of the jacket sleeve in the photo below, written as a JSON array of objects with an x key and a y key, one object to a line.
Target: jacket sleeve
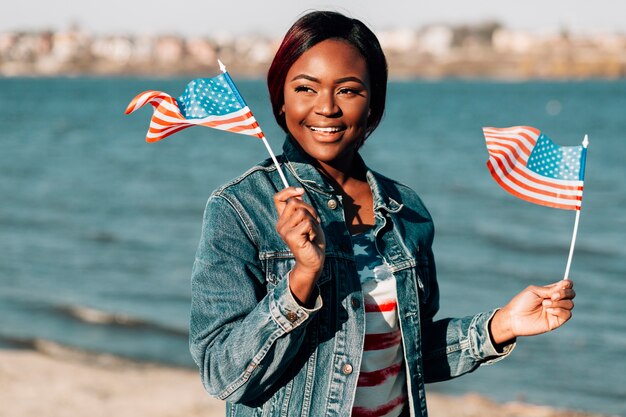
[
  {"x": 243, "y": 335},
  {"x": 454, "y": 346}
]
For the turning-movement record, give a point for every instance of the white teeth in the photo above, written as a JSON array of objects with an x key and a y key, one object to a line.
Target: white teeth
[{"x": 325, "y": 129}]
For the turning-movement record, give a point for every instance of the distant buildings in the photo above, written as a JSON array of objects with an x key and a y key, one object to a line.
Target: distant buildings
[{"x": 485, "y": 50}]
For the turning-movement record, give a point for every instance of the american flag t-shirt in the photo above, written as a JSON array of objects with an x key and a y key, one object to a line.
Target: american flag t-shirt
[{"x": 381, "y": 387}]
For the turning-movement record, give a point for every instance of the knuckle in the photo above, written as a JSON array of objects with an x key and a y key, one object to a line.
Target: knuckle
[{"x": 292, "y": 202}]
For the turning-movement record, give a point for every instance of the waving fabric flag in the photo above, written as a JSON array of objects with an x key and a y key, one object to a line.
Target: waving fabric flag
[
  {"x": 211, "y": 102},
  {"x": 527, "y": 164}
]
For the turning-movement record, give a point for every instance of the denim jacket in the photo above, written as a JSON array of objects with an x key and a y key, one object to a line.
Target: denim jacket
[{"x": 265, "y": 354}]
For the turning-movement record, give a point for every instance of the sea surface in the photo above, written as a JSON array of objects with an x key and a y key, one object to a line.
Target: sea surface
[{"x": 98, "y": 229}]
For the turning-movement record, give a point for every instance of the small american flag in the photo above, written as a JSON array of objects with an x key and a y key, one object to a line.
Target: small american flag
[
  {"x": 527, "y": 164},
  {"x": 211, "y": 102}
]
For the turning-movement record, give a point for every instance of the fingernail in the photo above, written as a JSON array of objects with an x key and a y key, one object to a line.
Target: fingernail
[
  {"x": 547, "y": 303},
  {"x": 299, "y": 189},
  {"x": 555, "y": 296}
]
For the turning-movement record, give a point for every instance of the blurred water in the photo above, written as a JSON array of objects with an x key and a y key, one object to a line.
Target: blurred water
[{"x": 98, "y": 229}]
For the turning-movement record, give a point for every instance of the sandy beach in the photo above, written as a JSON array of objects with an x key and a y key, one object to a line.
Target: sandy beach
[{"x": 58, "y": 382}]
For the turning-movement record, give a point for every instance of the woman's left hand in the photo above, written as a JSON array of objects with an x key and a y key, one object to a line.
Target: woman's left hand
[{"x": 534, "y": 311}]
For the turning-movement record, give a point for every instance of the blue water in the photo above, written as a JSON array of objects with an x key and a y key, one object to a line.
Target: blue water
[{"x": 98, "y": 229}]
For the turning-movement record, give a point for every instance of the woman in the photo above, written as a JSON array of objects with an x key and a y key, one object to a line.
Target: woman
[{"x": 319, "y": 299}]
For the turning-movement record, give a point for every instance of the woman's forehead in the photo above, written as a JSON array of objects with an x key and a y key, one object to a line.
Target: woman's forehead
[{"x": 331, "y": 58}]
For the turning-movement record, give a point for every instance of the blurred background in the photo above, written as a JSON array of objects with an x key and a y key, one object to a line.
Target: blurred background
[{"x": 98, "y": 229}]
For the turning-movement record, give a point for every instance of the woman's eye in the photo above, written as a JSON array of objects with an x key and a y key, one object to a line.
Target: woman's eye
[
  {"x": 303, "y": 89},
  {"x": 349, "y": 91}
]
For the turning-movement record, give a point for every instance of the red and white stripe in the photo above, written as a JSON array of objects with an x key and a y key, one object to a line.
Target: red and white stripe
[
  {"x": 381, "y": 387},
  {"x": 167, "y": 118},
  {"x": 509, "y": 150}
]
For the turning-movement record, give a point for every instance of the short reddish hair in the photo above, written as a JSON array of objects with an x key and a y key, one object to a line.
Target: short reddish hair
[{"x": 319, "y": 26}]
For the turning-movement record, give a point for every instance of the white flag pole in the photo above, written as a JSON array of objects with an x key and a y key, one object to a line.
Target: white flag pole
[
  {"x": 265, "y": 142},
  {"x": 280, "y": 171},
  {"x": 582, "y": 175},
  {"x": 571, "y": 248}
]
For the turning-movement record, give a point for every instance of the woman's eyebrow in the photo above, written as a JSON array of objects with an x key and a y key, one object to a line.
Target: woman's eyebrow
[
  {"x": 353, "y": 79},
  {"x": 337, "y": 81},
  {"x": 305, "y": 77}
]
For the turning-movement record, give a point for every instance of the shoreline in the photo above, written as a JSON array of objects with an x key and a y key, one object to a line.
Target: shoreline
[{"x": 60, "y": 382}]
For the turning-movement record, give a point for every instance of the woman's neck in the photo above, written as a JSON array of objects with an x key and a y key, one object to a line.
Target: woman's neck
[
  {"x": 342, "y": 173},
  {"x": 357, "y": 199}
]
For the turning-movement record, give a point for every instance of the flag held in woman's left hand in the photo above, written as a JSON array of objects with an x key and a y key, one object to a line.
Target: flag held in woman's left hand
[{"x": 527, "y": 164}]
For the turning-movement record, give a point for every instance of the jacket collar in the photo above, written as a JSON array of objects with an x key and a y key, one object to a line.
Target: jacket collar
[{"x": 299, "y": 164}]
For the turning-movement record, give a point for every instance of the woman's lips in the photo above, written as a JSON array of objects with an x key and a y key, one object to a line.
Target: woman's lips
[
  {"x": 327, "y": 132},
  {"x": 328, "y": 129}
]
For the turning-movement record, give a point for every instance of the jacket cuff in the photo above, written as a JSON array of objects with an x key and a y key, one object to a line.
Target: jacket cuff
[
  {"x": 286, "y": 311},
  {"x": 481, "y": 345}
]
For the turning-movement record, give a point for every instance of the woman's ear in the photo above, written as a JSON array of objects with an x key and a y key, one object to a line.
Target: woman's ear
[{"x": 282, "y": 110}]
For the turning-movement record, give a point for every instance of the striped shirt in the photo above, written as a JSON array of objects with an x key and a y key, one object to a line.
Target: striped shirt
[{"x": 381, "y": 388}]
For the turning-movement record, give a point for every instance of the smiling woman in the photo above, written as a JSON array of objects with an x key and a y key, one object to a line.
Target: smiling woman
[
  {"x": 314, "y": 28},
  {"x": 327, "y": 106},
  {"x": 319, "y": 300}
]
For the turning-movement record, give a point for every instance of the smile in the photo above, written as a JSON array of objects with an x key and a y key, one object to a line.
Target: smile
[{"x": 332, "y": 129}]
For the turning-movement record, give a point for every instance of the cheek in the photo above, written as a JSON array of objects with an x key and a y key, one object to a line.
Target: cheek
[
  {"x": 294, "y": 111},
  {"x": 361, "y": 113}
]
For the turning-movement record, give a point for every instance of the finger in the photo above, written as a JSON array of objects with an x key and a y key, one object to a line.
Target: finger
[
  {"x": 295, "y": 204},
  {"x": 555, "y": 291},
  {"x": 292, "y": 217},
  {"x": 564, "y": 283},
  {"x": 562, "y": 294},
  {"x": 308, "y": 229},
  {"x": 562, "y": 314},
  {"x": 304, "y": 232},
  {"x": 542, "y": 292},
  {"x": 565, "y": 304},
  {"x": 282, "y": 197}
]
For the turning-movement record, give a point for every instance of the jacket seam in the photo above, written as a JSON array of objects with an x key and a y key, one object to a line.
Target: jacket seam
[
  {"x": 245, "y": 376},
  {"x": 259, "y": 167}
]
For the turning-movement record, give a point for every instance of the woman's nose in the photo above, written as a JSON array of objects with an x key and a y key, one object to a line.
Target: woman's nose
[{"x": 326, "y": 105}]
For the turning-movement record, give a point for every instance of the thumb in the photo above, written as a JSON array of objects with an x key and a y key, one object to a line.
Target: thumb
[{"x": 553, "y": 291}]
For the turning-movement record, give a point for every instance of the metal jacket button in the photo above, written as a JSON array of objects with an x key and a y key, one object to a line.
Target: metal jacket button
[
  {"x": 292, "y": 316},
  {"x": 332, "y": 204},
  {"x": 347, "y": 369},
  {"x": 355, "y": 302}
]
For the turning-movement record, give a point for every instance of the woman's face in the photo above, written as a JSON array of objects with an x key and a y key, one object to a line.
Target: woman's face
[{"x": 327, "y": 97}]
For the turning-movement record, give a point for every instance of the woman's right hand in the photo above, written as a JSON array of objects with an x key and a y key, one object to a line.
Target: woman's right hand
[{"x": 299, "y": 226}]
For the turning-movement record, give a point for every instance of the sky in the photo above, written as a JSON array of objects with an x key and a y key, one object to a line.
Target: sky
[{"x": 273, "y": 17}]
